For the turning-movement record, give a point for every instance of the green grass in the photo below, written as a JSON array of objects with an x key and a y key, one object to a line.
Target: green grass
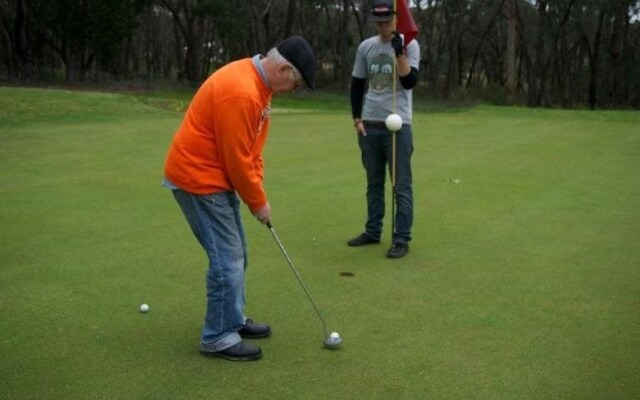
[{"x": 522, "y": 282}]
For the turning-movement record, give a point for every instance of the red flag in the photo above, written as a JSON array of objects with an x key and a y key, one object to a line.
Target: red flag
[{"x": 404, "y": 22}]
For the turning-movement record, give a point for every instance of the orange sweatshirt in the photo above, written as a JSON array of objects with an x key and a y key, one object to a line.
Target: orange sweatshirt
[{"x": 218, "y": 146}]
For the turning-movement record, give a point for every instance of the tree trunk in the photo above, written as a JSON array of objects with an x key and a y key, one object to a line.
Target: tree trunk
[
  {"x": 561, "y": 57},
  {"x": 451, "y": 69},
  {"x": 291, "y": 11},
  {"x": 452, "y": 16},
  {"x": 190, "y": 27},
  {"x": 615, "y": 49},
  {"x": 510, "y": 56},
  {"x": 13, "y": 32},
  {"x": 476, "y": 54},
  {"x": 594, "y": 61},
  {"x": 540, "y": 63},
  {"x": 359, "y": 21},
  {"x": 342, "y": 46}
]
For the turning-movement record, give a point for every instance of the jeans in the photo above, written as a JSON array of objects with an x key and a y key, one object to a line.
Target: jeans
[
  {"x": 215, "y": 221},
  {"x": 377, "y": 149}
]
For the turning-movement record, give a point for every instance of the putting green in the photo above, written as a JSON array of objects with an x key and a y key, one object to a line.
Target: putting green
[{"x": 522, "y": 280}]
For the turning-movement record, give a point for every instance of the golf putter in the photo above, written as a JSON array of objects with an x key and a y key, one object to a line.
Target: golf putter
[{"x": 329, "y": 341}]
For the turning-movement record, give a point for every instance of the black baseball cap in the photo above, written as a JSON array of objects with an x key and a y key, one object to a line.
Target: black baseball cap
[
  {"x": 300, "y": 54},
  {"x": 382, "y": 11}
]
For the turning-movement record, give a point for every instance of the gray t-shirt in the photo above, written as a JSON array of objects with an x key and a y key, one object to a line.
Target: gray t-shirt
[{"x": 374, "y": 62}]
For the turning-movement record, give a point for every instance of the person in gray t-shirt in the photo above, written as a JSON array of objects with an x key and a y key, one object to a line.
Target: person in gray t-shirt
[{"x": 374, "y": 64}]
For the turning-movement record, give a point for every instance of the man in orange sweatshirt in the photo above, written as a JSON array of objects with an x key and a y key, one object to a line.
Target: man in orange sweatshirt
[{"x": 213, "y": 163}]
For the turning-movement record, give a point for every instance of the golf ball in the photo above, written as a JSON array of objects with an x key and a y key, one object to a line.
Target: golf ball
[
  {"x": 393, "y": 122},
  {"x": 144, "y": 308},
  {"x": 334, "y": 335}
]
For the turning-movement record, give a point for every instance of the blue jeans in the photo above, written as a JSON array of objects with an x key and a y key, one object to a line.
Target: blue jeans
[
  {"x": 377, "y": 149},
  {"x": 215, "y": 221}
]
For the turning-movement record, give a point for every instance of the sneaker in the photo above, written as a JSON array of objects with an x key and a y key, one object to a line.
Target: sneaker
[
  {"x": 398, "y": 250},
  {"x": 238, "y": 352},
  {"x": 254, "y": 330},
  {"x": 362, "y": 240}
]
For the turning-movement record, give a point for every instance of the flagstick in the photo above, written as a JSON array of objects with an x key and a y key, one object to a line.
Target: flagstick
[{"x": 393, "y": 134}]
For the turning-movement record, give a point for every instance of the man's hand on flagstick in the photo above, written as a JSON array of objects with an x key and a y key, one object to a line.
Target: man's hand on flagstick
[{"x": 396, "y": 43}]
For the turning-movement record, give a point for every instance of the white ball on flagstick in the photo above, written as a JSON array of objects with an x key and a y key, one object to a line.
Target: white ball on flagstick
[{"x": 393, "y": 122}]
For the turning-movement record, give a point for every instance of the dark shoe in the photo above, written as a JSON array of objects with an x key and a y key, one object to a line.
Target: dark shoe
[
  {"x": 362, "y": 240},
  {"x": 238, "y": 352},
  {"x": 398, "y": 250},
  {"x": 254, "y": 330}
]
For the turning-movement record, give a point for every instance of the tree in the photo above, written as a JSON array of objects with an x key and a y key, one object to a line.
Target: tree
[
  {"x": 482, "y": 36},
  {"x": 190, "y": 24},
  {"x": 510, "y": 55},
  {"x": 79, "y": 31},
  {"x": 591, "y": 26},
  {"x": 620, "y": 28},
  {"x": 453, "y": 15},
  {"x": 14, "y": 37}
]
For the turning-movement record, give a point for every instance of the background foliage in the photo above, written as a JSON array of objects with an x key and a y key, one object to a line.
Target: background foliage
[{"x": 564, "y": 53}]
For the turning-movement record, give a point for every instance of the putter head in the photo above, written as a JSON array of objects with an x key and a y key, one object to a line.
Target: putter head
[{"x": 332, "y": 342}]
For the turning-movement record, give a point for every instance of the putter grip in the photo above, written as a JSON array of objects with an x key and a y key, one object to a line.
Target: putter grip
[{"x": 269, "y": 224}]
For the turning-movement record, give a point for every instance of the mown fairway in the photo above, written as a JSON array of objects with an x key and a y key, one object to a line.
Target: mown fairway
[{"x": 523, "y": 280}]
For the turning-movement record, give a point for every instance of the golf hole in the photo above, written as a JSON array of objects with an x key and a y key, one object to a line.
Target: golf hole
[{"x": 347, "y": 274}]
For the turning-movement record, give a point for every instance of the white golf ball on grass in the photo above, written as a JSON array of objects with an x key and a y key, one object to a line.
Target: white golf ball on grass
[
  {"x": 144, "y": 308},
  {"x": 334, "y": 335},
  {"x": 393, "y": 122}
]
